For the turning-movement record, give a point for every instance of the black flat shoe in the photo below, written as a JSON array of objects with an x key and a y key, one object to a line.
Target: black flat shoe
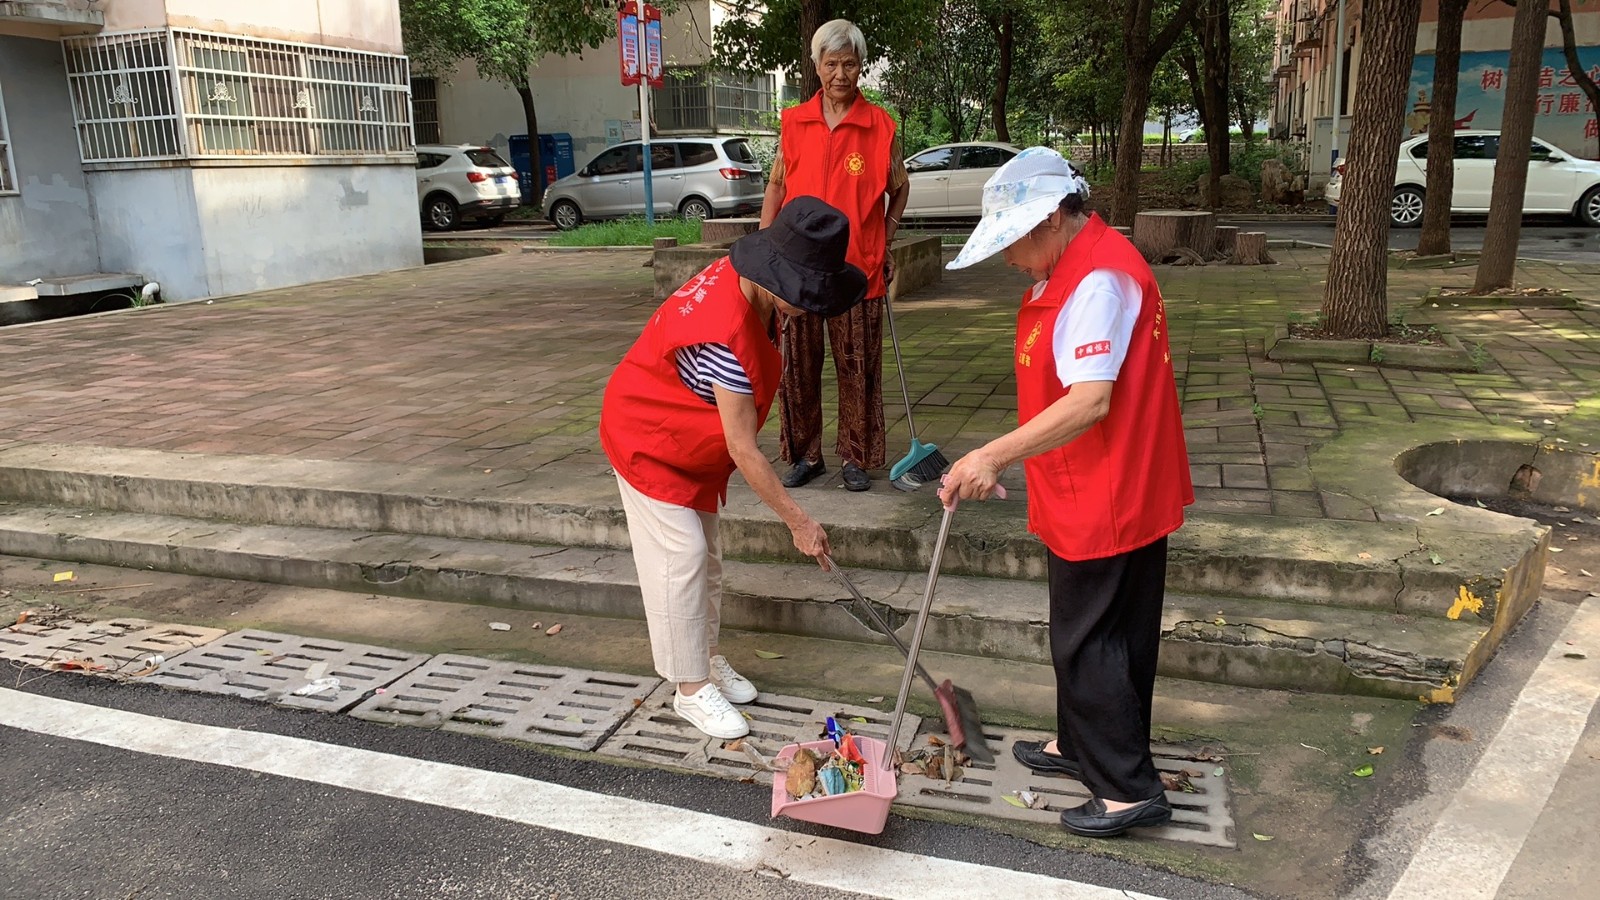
[
  {"x": 1033, "y": 755},
  {"x": 1092, "y": 820},
  {"x": 802, "y": 473},
  {"x": 855, "y": 478}
]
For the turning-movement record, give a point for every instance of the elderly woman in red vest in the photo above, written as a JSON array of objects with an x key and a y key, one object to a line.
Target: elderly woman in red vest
[
  {"x": 680, "y": 415},
  {"x": 1101, "y": 443},
  {"x": 841, "y": 148}
]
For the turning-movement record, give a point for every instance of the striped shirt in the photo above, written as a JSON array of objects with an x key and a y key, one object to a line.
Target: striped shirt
[{"x": 700, "y": 366}]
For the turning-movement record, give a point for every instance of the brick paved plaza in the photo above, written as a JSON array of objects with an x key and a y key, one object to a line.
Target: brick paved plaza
[{"x": 500, "y": 362}]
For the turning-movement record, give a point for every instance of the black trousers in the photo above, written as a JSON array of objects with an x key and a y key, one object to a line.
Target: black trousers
[{"x": 1105, "y": 634}]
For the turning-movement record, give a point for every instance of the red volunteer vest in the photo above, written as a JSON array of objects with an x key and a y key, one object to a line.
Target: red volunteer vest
[
  {"x": 1123, "y": 483},
  {"x": 661, "y": 438},
  {"x": 848, "y": 167}
]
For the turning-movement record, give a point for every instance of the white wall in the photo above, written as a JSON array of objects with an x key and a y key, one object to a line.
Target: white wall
[
  {"x": 209, "y": 231},
  {"x": 46, "y": 230},
  {"x": 357, "y": 24}
]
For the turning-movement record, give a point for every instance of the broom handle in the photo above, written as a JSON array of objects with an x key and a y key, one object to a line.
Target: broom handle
[
  {"x": 916, "y": 637},
  {"x": 905, "y": 392},
  {"x": 878, "y": 621}
]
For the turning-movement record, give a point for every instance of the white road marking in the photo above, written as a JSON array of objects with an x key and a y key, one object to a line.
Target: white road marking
[
  {"x": 729, "y": 843},
  {"x": 1476, "y": 840}
]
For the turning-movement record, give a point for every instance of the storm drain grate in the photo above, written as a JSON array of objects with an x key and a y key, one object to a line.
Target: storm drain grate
[
  {"x": 1202, "y": 817},
  {"x": 263, "y": 665},
  {"x": 539, "y": 704},
  {"x": 120, "y": 646},
  {"x": 656, "y": 734}
]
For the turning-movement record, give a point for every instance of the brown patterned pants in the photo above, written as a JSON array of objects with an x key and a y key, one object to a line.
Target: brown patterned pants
[{"x": 856, "y": 339}]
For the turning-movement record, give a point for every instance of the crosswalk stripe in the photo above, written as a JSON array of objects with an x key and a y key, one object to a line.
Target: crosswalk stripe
[
  {"x": 1475, "y": 842},
  {"x": 729, "y": 843}
]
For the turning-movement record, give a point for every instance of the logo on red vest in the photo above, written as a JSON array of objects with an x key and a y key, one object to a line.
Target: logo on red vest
[
  {"x": 855, "y": 164},
  {"x": 1093, "y": 349}
]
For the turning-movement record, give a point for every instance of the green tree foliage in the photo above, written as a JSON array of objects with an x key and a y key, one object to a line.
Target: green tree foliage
[
  {"x": 950, "y": 65},
  {"x": 505, "y": 39},
  {"x": 761, "y": 35}
]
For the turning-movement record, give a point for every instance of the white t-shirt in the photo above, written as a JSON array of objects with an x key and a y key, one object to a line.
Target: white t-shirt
[{"x": 1095, "y": 326}]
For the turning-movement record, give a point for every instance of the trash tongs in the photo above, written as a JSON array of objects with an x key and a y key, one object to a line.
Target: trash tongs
[{"x": 980, "y": 744}]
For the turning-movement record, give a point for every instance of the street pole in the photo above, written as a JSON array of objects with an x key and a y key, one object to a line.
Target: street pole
[
  {"x": 1338, "y": 86},
  {"x": 644, "y": 119}
]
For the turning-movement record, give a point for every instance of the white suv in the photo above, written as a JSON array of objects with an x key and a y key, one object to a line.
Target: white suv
[
  {"x": 464, "y": 181},
  {"x": 694, "y": 177},
  {"x": 1557, "y": 182}
]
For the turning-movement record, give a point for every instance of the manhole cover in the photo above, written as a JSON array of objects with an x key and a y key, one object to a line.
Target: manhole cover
[
  {"x": 263, "y": 665},
  {"x": 111, "y": 647},
  {"x": 539, "y": 704},
  {"x": 1202, "y": 817},
  {"x": 656, "y": 734}
]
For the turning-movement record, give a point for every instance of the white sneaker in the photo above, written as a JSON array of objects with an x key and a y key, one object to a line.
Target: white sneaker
[
  {"x": 710, "y": 712},
  {"x": 735, "y": 687}
]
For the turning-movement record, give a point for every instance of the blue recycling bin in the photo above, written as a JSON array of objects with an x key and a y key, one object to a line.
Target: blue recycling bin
[{"x": 555, "y": 152}]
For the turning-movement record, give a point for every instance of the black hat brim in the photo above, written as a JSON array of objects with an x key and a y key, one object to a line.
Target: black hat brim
[{"x": 825, "y": 293}]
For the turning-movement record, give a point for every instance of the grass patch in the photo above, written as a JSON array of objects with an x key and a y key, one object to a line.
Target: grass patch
[{"x": 631, "y": 232}]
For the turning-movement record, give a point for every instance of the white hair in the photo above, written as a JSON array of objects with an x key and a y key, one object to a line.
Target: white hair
[{"x": 832, "y": 37}]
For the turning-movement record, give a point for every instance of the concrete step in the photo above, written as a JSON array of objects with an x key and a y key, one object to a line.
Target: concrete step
[
  {"x": 1396, "y": 567},
  {"x": 1249, "y": 642}
]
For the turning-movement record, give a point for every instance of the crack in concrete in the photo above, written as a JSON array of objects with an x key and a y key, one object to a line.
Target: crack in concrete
[
  {"x": 1376, "y": 662},
  {"x": 554, "y": 551},
  {"x": 579, "y": 451}
]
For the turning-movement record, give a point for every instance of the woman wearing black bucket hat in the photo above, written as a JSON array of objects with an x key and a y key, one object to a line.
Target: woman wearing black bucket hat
[{"x": 680, "y": 415}]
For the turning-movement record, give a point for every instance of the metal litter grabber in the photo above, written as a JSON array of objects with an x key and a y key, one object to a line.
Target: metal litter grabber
[{"x": 961, "y": 719}]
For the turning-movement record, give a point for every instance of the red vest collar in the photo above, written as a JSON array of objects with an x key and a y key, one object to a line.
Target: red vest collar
[{"x": 858, "y": 115}]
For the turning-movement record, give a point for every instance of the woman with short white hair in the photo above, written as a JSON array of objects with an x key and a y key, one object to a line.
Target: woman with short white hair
[{"x": 841, "y": 148}]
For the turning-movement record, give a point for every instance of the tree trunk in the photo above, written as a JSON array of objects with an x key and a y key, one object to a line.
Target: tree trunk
[
  {"x": 1569, "y": 44},
  {"x": 1498, "y": 264},
  {"x": 1356, "y": 303},
  {"x": 813, "y": 15},
  {"x": 1142, "y": 52},
  {"x": 1135, "y": 105},
  {"x": 1164, "y": 233},
  {"x": 1166, "y": 139},
  {"x": 535, "y": 159},
  {"x": 1217, "y": 62},
  {"x": 1002, "y": 81},
  {"x": 1251, "y": 249},
  {"x": 1435, "y": 240}
]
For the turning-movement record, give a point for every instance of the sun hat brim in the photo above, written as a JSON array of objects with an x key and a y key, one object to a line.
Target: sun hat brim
[
  {"x": 822, "y": 292},
  {"x": 1002, "y": 228}
]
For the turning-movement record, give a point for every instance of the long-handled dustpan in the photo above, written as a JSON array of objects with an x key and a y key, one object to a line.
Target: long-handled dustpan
[{"x": 961, "y": 719}]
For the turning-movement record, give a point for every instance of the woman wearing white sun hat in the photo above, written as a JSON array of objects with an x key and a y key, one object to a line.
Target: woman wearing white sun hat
[{"x": 1101, "y": 442}]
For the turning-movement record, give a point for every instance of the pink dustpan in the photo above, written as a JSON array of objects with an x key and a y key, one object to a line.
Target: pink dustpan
[{"x": 865, "y": 810}]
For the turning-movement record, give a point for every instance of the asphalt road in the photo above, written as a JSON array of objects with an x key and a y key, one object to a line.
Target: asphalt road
[
  {"x": 79, "y": 819},
  {"x": 1553, "y": 239}
]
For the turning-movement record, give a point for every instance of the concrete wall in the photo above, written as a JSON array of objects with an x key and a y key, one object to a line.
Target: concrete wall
[
  {"x": 357, "y": 24},
  {"x": 46, "y": 230},
  {"x": 208, "y": 231}
]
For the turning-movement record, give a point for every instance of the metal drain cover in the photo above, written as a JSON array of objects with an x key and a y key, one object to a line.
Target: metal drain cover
[
  {"x": 120, "y": 645},
  {"x": 539, "y": 704},
  {"x": 656, "y": 734},
  {"x": 263, "y": 665},
  {"x": 1203, "y": 817}
]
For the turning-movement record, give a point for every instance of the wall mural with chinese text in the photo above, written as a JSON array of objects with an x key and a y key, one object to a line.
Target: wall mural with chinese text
[{"x": 1565, "y": 116}]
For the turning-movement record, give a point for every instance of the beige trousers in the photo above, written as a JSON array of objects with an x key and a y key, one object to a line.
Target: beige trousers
[{"x": 679, "y": 557}]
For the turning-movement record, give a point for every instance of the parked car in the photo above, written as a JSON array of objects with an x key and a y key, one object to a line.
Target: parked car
[
  {"x": 694, "y": 177},
  {"x": 1557, "y": 182},
  {"x": 947, "y": 180},
  {"x": 464, "y": 181}
]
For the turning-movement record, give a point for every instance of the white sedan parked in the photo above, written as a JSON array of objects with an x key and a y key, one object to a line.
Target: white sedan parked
[
  {"x": 947, "y": 180},
  {"x": 1557, "y": 182}
]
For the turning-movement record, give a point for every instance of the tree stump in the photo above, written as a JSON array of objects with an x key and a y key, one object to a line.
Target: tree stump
[
  {"x": 1164, "y": 233},
  {"x": 1250, "y": 249},
  {"x": 1227, "y": 240}
]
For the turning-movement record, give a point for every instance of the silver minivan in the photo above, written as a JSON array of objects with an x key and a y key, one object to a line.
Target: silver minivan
[{"x": 694, "y": 177}]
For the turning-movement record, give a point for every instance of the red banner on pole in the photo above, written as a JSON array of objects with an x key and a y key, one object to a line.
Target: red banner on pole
[
  {"x": 628, "y": 42},
  {"x": 652, "y": 34}
]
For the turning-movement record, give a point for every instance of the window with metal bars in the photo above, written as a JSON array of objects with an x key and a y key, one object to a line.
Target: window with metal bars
[
  {"x": 8, "y": 177},
  {"x": 698, "y": 99},
  {"x": 183, "y": 94},
  {"x": 425, "y": 109}
]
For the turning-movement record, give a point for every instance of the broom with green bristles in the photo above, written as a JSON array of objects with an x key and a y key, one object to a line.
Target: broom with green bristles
[{"x": 924, "y": 462}]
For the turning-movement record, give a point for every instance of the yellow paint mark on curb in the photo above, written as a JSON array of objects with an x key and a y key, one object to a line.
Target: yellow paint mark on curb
[
  {"x": 1592, "y": 480},
  {"x": 1466, "y": 601},
  {"x": 1439, "y": 695}
]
